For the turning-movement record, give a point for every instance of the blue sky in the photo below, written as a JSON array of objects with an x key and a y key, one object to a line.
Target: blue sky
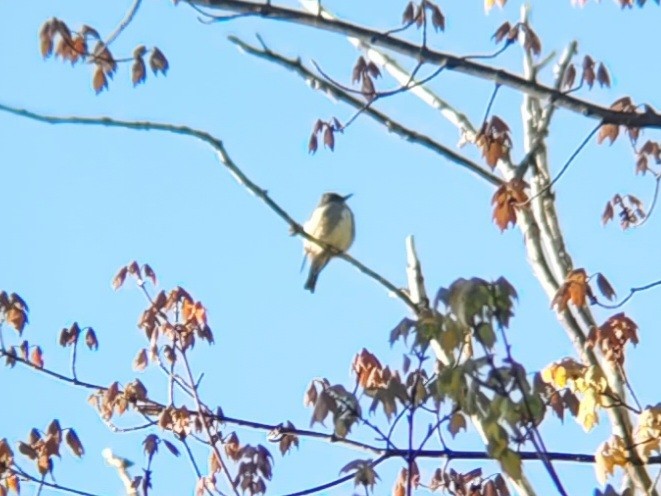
[{"x": 79, "y": 202}]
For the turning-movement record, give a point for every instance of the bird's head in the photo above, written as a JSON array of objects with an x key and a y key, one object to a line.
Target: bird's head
[{"x": 334, "y": 198}]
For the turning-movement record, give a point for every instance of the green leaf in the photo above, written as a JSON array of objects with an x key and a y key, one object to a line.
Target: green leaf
[{"x": 485, "y": 334}]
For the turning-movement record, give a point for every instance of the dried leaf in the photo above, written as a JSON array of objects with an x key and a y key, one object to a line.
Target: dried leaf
[
  {"x": 329, "y": 138},
  {"x": 609, "y": 131},
  {"x": 149, "y": 273},
  {"x": 570, "y": 77},
  {"x": 140, "y": 361},
  {"x": 501, "y": 32},
  {"x": 90, "y": 339},
  {"x": 74, "y": 443},
  {"x": 36, "y": 357},
  {"x": 313, "y": 144},
  {"x": 605, "y": 287},
  {"x": 608, "y": 213},
  {"x": 158, "y": 62},
  {"x": 150, "y": 444},
  {"x": 603, "y": 78},
  {"x": 119, "y": 279},
  {"x": 437, "y": 18},
  {"x": 138, "y": 71},
  {"x": 171, "y": 447},
  {"x": 407, "y": 16}
]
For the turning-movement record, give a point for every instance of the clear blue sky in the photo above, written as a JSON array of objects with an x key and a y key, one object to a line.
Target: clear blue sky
[{"x": 79, "y": 202}]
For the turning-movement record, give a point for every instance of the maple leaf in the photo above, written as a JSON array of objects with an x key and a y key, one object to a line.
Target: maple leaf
[
  {"x": 506, "y": 200},
  {"x": 574, "y": 289}
]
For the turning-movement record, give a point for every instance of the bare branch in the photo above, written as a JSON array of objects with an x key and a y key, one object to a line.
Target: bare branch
[
  {"x": 452, "y": 62},
  {"x": 225, "y": 159},
  {"x": 130, "y": 14},
  {"x": 408, "y": 134}
]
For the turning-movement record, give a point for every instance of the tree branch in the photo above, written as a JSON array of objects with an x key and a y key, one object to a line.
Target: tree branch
[
  {"x": 408, "y": 134},
  {"x": 225, "y": 159},
  {"x": 452, "y": 62}
]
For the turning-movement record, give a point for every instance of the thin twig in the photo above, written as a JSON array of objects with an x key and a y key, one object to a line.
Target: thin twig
[
  {"x": 130, "y": 14},
  {"x": 632, "y": 292},
  {"x": 454, "y": 62},
  {"x": 52, "y": 485},
  {"x": 491, "y": 100},
  {"x": 336, "y": 482},
  {"x": 564, "y": 167},
  {"x": 408, "y": 134},
  {"x": 655, "y": 197}
]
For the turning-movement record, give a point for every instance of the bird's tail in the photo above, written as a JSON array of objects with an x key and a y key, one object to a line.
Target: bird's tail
[{"x": 317, "y": 263}]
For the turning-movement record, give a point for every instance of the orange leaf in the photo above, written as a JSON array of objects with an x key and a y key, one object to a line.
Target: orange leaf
[
  {"x": 36, "y": 357},
  {"x": 13, "y": 484},
  {"x": 99, "y": 82}
]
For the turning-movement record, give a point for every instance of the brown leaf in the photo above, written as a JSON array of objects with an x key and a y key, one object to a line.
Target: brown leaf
[
  {"x": 99, "y": 82},
  {"x": 506, "y": 200},
  {"x": 119, "y": 279},
  {"x": 329, "y": 138},
  {"x": 27, "y": 450},
  {"x": 368, "y": 89},
  {"x": 138, "y": 71},
  {"x": 90, "y": 339},
  {"x": 603, "y": 78},
  {"x": 501, "y": 32},
  {"x": 358, "y": 70},
  {"x": 407, "y": 16},
  {"x": 150, "y": 444},
  {"x": 437, "y": 18},
  {"x": 149, "y": 273},
  {"x": 609, "y": 131},
  {"x": 74, "y": 443},
  {"x": 140, "y": 361},
  {"x": 605, "y": 287},
  {"x": 313, "y": 144},
  {"x": 570, "y": 77},
  {"x": 134, "y": 269},
  {"x": 17, "y": 318},
  {"x": 310, "y": 397},
  {"x": 532, "y": 41},
  {"x": 13, "y": 483},
  {"x": 46, "y": 39},
  {"x": 624, "y": 104},
  {"x": 36, "y": 357},
  {"x": 158, "y": 62},
  {"x": 608, "y": 213},
  {"x": 588, "y": 77},
  {"x": 373, "y": 70}
]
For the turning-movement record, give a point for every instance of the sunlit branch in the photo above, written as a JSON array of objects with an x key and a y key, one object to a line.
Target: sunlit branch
[
  {"x": 379, "y": 57},
  {"x": 453, "y": 62},
  {"x": 225, "y": 159},
  {"x": 541, "y": 130},
  {"x": 130, "y": 14},
  {"x": 408, "y": 134}
]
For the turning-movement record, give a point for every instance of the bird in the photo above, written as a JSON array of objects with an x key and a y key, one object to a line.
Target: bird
[{"x": 332, "y": 223}]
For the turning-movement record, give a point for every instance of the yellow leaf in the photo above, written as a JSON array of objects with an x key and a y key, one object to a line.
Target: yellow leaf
[{"x": 587, "y": 414}]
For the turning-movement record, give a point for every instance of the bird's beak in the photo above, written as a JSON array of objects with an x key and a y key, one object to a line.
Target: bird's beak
[{"x": 345, "y": 198}]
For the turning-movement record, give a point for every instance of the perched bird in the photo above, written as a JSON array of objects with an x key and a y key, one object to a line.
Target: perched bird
[{"x": 331, "y": 223}]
